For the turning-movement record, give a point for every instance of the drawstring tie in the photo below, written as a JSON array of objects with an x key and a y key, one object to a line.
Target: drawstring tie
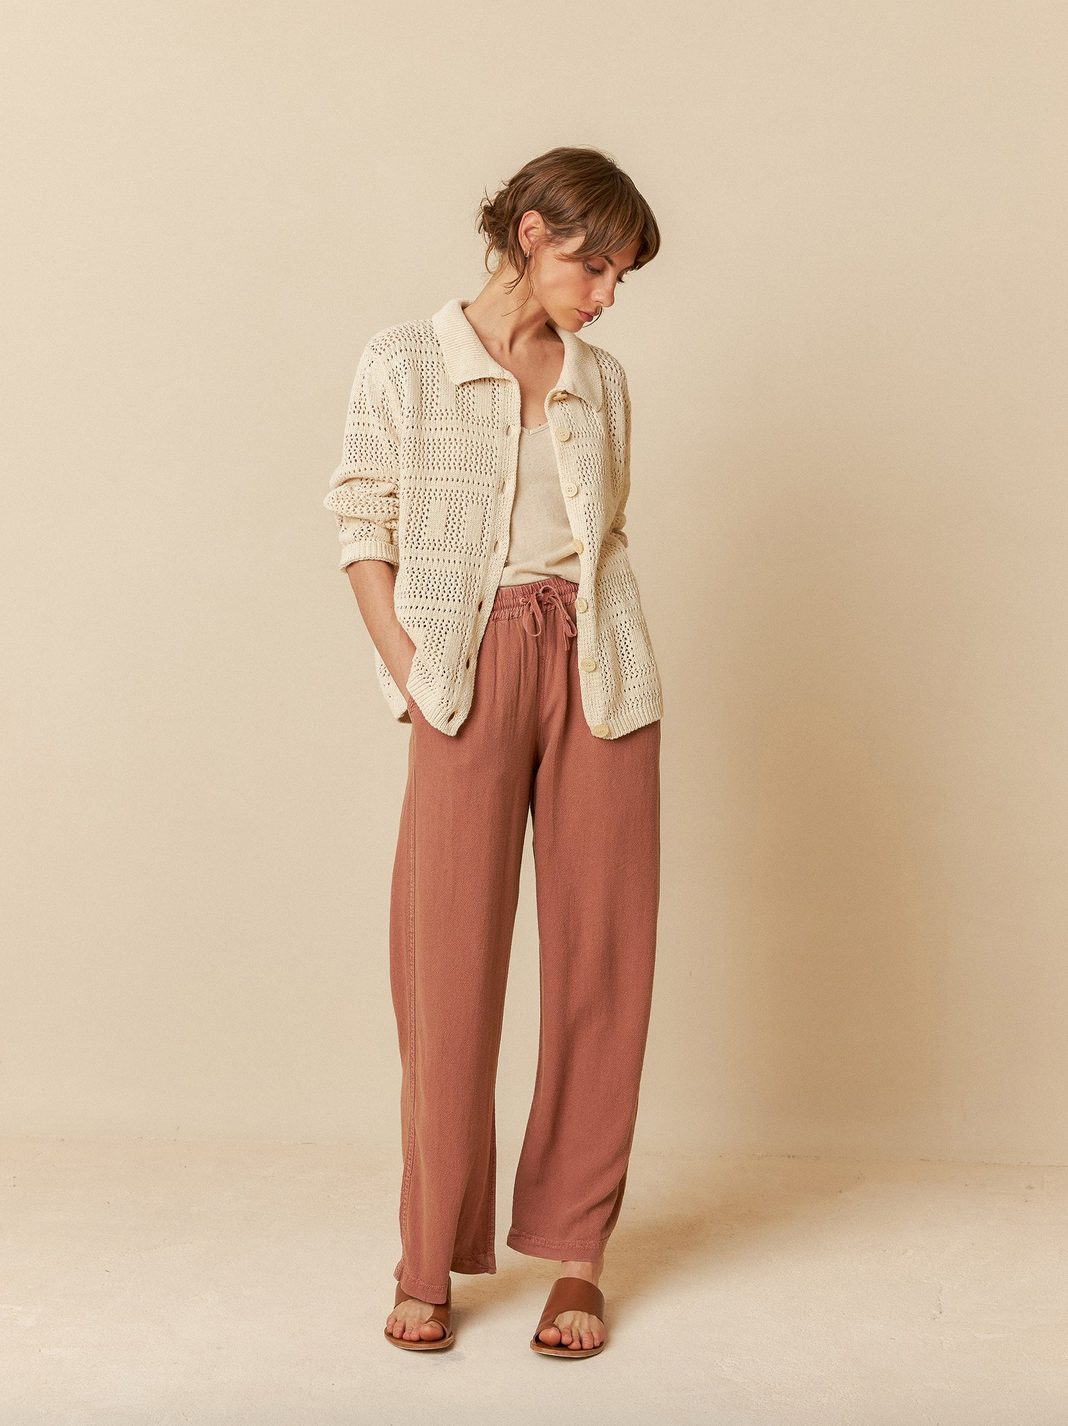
[{"x": 532, "y": 606}]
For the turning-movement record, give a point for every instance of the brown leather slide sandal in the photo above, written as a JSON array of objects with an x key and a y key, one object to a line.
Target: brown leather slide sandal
[
  {"x": 441, "y": 1313},
  {"x": 570, "y": 1294}
]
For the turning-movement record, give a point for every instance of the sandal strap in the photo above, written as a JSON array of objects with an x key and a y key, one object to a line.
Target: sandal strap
[
  {"x": 571, "y": 1294},
  {"x": 442, "y": 1310}
]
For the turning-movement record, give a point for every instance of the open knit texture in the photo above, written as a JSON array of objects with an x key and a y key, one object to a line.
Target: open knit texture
[{"x": 427, "y": 483}]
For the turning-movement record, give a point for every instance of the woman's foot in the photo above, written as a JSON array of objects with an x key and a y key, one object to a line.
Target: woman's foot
[
  {"x": 408, "y": 1320},
  {"x": 576, "y": 1329}
]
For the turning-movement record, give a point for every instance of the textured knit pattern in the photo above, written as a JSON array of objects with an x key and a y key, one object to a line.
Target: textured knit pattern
[{"x": 427, "y": 482}]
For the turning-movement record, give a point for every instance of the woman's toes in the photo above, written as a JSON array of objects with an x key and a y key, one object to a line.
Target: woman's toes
[
  {"x": 413, "y": 1329},
  {"x": 585, "y": 1334},
  {"x": 576, "y": 1333},
  {"x": 424, "y": 1330}
]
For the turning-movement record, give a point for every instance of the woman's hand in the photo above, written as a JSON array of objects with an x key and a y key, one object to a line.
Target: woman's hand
[
  {"x": 372, "y": 582},
  {"x": 409, "y": 660},
  {"x": 398, "y": 655}
]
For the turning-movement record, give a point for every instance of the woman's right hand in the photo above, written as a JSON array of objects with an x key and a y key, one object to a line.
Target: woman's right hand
[
  {"x": 409, "y": 659},
  {"x": 373, "y": 584}
]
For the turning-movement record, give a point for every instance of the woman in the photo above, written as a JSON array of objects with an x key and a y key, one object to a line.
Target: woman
[{"x": 481, "y": 508}]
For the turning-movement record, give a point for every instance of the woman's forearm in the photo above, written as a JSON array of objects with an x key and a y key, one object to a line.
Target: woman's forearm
[{"x": 372, "y": 582}]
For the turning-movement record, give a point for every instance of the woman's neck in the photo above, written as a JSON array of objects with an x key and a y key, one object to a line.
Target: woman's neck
[{"x": 508, "y": 325}]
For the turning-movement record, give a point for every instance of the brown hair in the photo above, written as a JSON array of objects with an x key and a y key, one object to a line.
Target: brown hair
[{"x": 576, "y": 190}]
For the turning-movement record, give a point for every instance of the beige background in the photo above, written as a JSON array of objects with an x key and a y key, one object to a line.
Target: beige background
[{"x": 848, "y": 522}]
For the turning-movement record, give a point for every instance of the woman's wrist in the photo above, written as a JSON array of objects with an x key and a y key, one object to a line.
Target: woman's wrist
[{"x": 401, "y": 655}]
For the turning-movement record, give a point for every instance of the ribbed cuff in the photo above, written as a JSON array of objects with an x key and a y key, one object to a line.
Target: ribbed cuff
[{"x": 369, "y": 550}]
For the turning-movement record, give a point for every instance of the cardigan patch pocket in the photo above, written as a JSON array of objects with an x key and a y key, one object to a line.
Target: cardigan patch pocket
[
  {"x": 476, "y": 517},
  {"x": 437, "y": 514},
  {"x": 437, "y": 521}
]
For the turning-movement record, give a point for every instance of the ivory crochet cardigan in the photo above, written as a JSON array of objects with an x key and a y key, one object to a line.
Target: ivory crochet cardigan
[{"x": 427, "y": 482}]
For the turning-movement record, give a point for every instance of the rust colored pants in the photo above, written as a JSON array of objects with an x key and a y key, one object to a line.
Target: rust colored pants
[{"x": 525, "y": 747}]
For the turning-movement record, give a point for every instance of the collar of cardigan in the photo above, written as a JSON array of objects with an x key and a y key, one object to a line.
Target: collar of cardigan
[{"x": 466, "y": 359}]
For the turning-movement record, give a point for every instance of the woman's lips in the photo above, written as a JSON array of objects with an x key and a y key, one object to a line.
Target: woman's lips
[{"x": 586, "y": 316}]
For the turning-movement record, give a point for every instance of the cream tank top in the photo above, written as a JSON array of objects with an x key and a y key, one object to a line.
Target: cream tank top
[{"x": 540, "y": 541}]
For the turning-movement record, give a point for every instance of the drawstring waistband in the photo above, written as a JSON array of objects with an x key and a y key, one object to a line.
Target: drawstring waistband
[
  {"x": 533, "y": 606},
  {"x": 525, "y": 601}
]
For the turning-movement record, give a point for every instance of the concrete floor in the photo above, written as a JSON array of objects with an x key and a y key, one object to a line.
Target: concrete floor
[{"x": 209, "y": 1282}]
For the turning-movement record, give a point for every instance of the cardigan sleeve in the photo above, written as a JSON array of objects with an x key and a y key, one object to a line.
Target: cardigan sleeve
[
  {"x": 620, "y": 518},
  {"x": 363, "y": 489}
]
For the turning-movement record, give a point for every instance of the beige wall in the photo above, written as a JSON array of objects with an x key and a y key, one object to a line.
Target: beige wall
[{"x": 848, "y": 520}]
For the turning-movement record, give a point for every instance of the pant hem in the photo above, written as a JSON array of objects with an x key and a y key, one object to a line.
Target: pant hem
[
  {"x": 437, "y": 1292},
  {"x": 474, "y": 1265},
  {"x": 581, "y": 1250}
]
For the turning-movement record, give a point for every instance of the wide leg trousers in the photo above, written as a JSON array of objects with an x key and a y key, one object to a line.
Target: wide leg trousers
[{"x": 525, "y": 747}]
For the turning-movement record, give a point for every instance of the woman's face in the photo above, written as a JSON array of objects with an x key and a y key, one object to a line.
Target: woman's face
[{"x": 573, "y": 291}]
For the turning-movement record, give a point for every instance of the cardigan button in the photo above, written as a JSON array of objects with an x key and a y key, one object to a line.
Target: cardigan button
[
  {"x": 588, "y": 664},
  {"x": 601, "y": 731},
  {"x": 571, "y": 488},
  {"x": 578, "y": 546},
  {"x": 558, "y": 396},
  {"x": 563, "y": 434},
  {"x": 507, "y": 430},
  {"x": 581, "y": 605}
]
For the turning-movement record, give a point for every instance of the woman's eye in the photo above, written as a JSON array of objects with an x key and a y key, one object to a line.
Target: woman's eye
[{"x": 595, "y": 270}]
